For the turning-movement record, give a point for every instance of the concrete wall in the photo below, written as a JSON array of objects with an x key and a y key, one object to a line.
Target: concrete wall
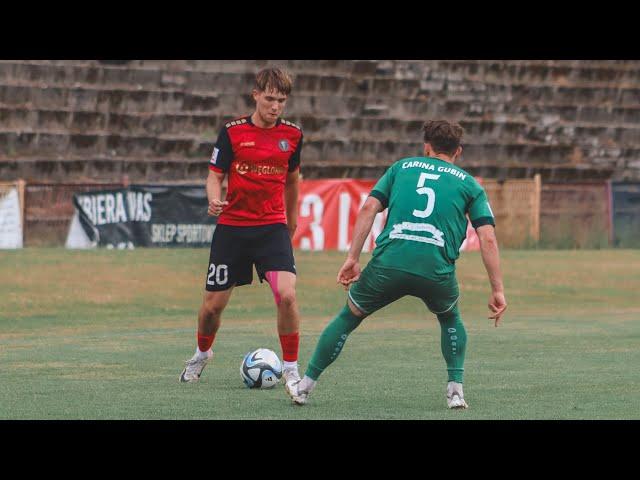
[{"x": 157, "y": 120}]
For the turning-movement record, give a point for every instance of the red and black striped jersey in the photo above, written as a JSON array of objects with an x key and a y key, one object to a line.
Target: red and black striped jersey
[{"x": 257, "y": 161}]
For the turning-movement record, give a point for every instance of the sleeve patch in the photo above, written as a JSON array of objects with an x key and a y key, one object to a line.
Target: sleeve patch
[{"x": 214, "y": 156}]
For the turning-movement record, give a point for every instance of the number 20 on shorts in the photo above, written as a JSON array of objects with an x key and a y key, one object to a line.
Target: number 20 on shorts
[{"x": 218, "y": 276}]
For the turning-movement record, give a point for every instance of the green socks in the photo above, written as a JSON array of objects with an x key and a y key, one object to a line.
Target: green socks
[
  {"x": 331, "y": 342},
  {"x": 453, "y": 341}
]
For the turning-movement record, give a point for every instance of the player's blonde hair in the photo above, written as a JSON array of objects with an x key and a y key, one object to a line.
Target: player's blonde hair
[{"x": 274, "y": 79}]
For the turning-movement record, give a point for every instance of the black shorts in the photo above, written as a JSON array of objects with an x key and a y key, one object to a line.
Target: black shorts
[{"x": 234, "y": 251}]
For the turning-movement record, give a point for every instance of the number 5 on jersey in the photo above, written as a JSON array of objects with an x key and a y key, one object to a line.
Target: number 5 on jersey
[
  {"x": 221, "y": 275},
  {"x": 431, "y": 195}
]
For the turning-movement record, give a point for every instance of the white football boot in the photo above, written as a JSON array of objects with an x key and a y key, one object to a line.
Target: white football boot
[
  {"x": 298, "y": 394},
  {"x": 290, "y": 376},
  {"x": 194, "y": 366},
  {"x": 455, "y": 396}
]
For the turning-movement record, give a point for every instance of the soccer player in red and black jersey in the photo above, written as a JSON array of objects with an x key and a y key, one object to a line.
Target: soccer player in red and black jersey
[{"x": 260, "y": 155}]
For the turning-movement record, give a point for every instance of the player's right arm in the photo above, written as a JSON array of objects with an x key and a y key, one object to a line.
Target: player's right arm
[
  {"x": 214, "y": 193},
  {"x": 350, "y": 271},
  {"x": 378, "y": 200},
  {"x": 491, "y": 260},
  {"x": 218, "y": 167}
]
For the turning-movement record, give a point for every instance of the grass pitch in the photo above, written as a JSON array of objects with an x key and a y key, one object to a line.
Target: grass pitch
[{"x": 104, "y": 334}]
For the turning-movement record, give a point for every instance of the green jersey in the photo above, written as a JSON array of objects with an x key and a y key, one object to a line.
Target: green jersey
[{"x": 428, "y": 201}]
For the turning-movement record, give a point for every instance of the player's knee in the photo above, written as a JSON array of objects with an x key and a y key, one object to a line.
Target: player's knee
[
  {"x": 355, "y": 310},
  {"x": 287, "y": 298},
  {"x": 213, "y": 309},
  {"x": 445, "y": 317},
  {"x": 450, "y": 317}
]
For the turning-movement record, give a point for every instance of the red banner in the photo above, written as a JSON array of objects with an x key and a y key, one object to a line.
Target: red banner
[{"x": 327, "y": 212}]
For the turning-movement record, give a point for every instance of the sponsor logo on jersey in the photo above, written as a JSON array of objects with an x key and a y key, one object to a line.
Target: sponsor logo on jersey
[
  {"x": 244, "y": 167},
  {"x": 247, "y": 144},
  {"x": 284, "y": 145},
  {"x": 400, "y": 229},
  {"x": 214, "y": 156},
  {"x": 429, "y": 166}
]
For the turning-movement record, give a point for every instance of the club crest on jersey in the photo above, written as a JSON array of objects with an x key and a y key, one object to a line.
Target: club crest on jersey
[
  {"x": 284, "y": 145},
  {"x": 242, "y": 168}
]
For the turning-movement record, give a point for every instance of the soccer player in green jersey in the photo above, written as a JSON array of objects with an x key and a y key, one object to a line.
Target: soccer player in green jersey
[{"x": 428, "y": 200}]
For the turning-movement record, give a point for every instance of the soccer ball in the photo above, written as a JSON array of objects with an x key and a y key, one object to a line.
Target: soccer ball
[{"x": 261, "y": 369}]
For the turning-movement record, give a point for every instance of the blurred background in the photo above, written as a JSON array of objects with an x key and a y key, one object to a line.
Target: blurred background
[{"x": 556, "y": 143}]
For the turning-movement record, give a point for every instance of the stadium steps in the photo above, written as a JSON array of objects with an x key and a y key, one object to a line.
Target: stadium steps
[
  {"x": 555, "y": 144},
  {"x": 390, "y": 100},
  {"x": 70, "y": 76},
  {"x": 599, "y": 142},
  {"x": 20, "y": 143},
  {"x": 349, "y": 110},
  {"x": 145, "y": 169},
  {"x": 456, "y": 84},
  {"x": 110, "y": 99},
  {"x": 490, "y": 169},
  {"x": 588, "y": 122},
  {"x": 81, "y": 121},
  {"x": 547, "y": 70},
  {"x": 358, "y": 67},
  {"x": 82, "y": 168},
  {"x": 316, "y": 74}
]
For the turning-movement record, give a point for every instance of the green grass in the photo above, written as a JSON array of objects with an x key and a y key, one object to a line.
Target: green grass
[{"x": 104, "y": 334}]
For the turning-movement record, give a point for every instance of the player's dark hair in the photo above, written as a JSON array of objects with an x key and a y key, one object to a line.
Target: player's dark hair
[
  {"x": 444, "y": 137},
  {"x": 274, "y": 79}
]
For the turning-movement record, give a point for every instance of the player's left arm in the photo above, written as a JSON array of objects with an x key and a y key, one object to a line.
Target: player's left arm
[
  {"x": 483, "y": 221},
  {"x": 291, "y": 188}
]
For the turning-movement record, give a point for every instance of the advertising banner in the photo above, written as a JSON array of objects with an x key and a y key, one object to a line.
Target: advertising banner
[
  {"x": 172, "y": 216},
  {"x": 10, "y": 222},
  {"x": 141, "y": 216},
  {"x": 327, "y": 214}
]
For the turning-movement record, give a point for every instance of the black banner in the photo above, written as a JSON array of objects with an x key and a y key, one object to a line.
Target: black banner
[
  {"x": 626, "y": 214},
  {"x": 143, "y": 216}
]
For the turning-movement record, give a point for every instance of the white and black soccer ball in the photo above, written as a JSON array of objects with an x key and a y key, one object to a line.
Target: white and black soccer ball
[{"x": 261, "y": 369}]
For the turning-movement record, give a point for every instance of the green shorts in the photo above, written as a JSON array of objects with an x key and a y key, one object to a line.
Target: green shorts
[{"x": 378, "y": 287}]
